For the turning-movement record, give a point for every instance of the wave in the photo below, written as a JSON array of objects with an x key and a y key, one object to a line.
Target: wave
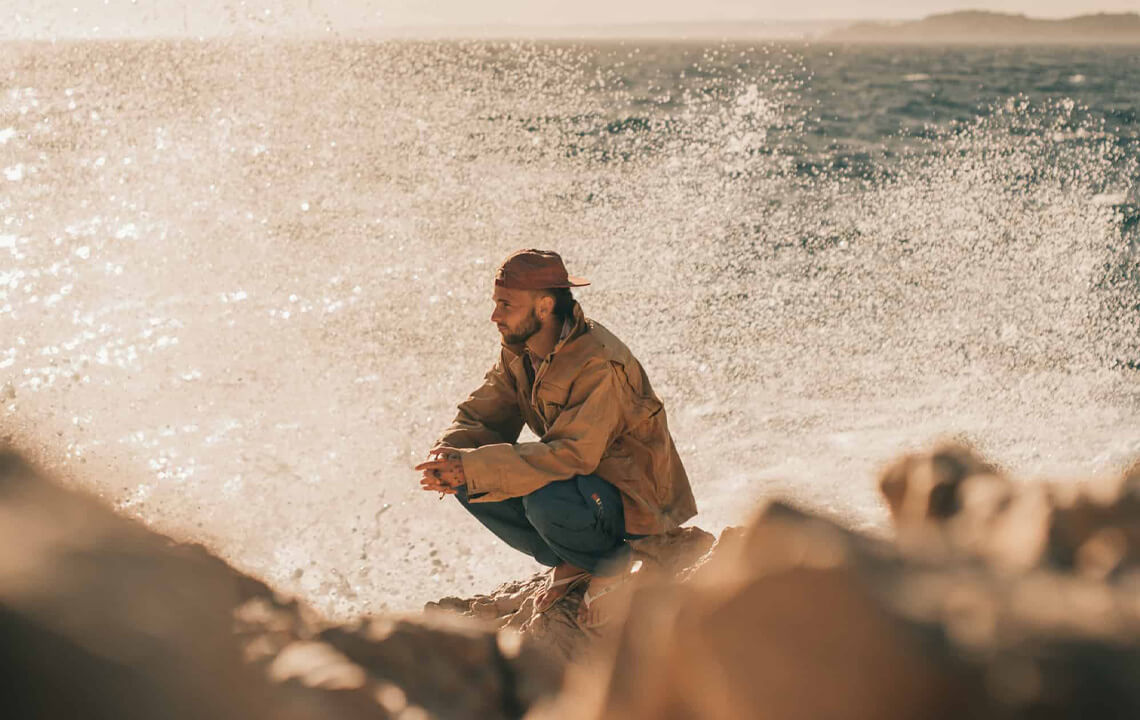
[{"x": 811, "y": 286}]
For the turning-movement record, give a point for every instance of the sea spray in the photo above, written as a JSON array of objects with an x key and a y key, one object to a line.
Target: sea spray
[{"x": 278, "y": 257}]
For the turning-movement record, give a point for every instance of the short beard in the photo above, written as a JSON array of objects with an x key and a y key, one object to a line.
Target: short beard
[{"x": 530, "y": 326}]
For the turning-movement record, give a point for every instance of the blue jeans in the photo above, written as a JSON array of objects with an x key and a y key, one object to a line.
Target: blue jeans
[{"x": 579, "y": 521}]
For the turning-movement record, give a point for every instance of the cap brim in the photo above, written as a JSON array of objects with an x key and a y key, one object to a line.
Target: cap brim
[{"x": 576, "y": 281}]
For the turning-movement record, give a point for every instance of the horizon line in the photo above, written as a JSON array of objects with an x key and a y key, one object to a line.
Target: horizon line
[{"x": 739, "y": 28}]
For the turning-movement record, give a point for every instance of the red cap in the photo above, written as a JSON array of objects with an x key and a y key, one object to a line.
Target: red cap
[{"x": 535, "y": 270}]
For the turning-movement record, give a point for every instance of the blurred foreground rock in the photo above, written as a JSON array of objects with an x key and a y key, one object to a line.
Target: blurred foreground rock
[
  {"x": 797, "y": 617},
  {"x": 950, "y": 501},
  {"x": 996, "y": 600},
  {"x": 102, "y": 618}
]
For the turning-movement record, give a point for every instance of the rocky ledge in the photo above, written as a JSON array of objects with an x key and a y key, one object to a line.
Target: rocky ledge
[
  {"x": 996, "y": 599},
  {"x": 510, "y": 606}
]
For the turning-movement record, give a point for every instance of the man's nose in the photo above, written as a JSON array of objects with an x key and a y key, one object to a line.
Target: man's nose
[{"x": 495, "y": 316}]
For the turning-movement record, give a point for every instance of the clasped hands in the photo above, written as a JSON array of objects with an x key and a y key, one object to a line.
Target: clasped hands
[{"x": 443, "y": 473}]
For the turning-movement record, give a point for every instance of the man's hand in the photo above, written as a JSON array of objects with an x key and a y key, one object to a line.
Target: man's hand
[{"x": 443, "y": 473}]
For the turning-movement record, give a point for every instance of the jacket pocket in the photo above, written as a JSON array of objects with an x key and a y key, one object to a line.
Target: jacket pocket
[{"x": 549, "y": 399}]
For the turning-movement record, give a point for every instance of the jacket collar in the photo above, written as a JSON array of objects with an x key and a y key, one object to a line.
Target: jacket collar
[{"x": 578, "y": 326}]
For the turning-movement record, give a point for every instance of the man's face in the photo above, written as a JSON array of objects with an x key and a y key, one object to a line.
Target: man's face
[{"x": 515, "y": 315}]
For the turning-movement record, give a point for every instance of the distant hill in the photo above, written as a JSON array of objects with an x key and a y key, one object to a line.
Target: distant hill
[{"x": 978, "y": 27}]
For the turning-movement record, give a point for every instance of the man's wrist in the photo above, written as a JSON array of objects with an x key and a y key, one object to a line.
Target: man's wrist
[{"x": 464, "y": 477}]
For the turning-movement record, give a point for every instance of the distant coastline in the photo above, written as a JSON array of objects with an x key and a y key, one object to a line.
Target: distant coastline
[{"x": 990, "y": 28}]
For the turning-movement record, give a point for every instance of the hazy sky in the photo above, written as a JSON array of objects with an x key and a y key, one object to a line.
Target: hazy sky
[{"x": 40, "y": 18}]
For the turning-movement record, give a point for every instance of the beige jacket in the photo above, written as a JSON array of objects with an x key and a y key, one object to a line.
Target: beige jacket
[{"x": 594, "y": 412}]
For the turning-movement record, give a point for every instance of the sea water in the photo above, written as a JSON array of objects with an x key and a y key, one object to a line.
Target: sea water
[{"x": 244, "y": 284}]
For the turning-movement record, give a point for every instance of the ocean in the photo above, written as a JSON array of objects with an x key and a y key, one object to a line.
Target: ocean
[{"x": 243, "y": 284}]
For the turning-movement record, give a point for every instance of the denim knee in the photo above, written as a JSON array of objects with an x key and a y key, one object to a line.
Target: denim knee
[
  {"x": 562, "y": 506},
  {"x": 545, "y": 506}
]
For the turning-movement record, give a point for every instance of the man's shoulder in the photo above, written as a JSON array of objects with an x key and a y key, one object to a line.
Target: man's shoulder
[
  {"x": 599, "y": 337},
  {"x": 596, "y": 344}
]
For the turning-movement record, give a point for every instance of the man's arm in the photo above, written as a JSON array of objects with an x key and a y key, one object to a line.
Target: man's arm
[
  {"x": 489, "y": 416},
  {"x": 573, "y": 445}
]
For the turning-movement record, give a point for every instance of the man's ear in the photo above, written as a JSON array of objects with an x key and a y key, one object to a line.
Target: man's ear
[{"x": 544, "y": 305}]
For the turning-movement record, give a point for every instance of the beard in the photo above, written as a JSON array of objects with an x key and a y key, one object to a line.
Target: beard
[{"x": 526, "y": 329}]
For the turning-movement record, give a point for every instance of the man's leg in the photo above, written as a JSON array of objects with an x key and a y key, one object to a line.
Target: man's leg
[
  {"x": 581, "y": 520},
  {"x": 507, "y": 520}
]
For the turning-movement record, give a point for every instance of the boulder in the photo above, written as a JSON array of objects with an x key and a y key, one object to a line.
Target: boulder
[
  {"x": 783, "y": 621},
  {"x": 103, "y": 618},
  {"x": 800, "y": 618},
  {"x": 997, "y": 599},
  {"x": 511, "y": 605},
  {"x": 950, "y": 500}
]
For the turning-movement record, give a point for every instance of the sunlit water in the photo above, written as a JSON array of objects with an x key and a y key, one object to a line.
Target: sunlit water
[{"x": 243, "y": 286}]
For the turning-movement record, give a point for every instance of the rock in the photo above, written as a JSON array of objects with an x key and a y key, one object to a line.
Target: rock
[
  {"x": 100, "y": 617},
  {"x": 450, "y": 667},
  {"x": 1097, "y": 536},
  {"x": 950, "y": 500},
  {"x": 801, "y": 618},
  {"x": 1130, "y": 479},
  {"x": 927, "y": 487},
  {"x": 675, "y": 551},
  {"x": 996, "y": 600},
  {"x": 511, "y": 605},
  {"x": 780, "y": 623},
  {"x": 88, "y": 595}
]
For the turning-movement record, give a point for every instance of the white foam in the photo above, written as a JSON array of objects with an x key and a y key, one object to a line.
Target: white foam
[
  {"x": 127, "y": 231},
  {"x": 1109, "y": 198},
  {"x": 739, "y": 330}
]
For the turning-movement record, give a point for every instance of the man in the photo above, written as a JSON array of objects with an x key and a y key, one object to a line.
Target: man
[{"x": 604, "y": 469}]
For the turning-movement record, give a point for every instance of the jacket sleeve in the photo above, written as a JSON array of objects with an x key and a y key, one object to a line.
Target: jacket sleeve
[
  {"x": 489, "y": 416},
  {"x": 574, "y": 444}
]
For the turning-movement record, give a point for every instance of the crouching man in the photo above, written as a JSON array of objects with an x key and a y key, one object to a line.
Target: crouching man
[{"x": 604, "y": 470}]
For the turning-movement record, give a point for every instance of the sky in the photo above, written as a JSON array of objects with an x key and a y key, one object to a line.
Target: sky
[{"x": 95, "y": 18}]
